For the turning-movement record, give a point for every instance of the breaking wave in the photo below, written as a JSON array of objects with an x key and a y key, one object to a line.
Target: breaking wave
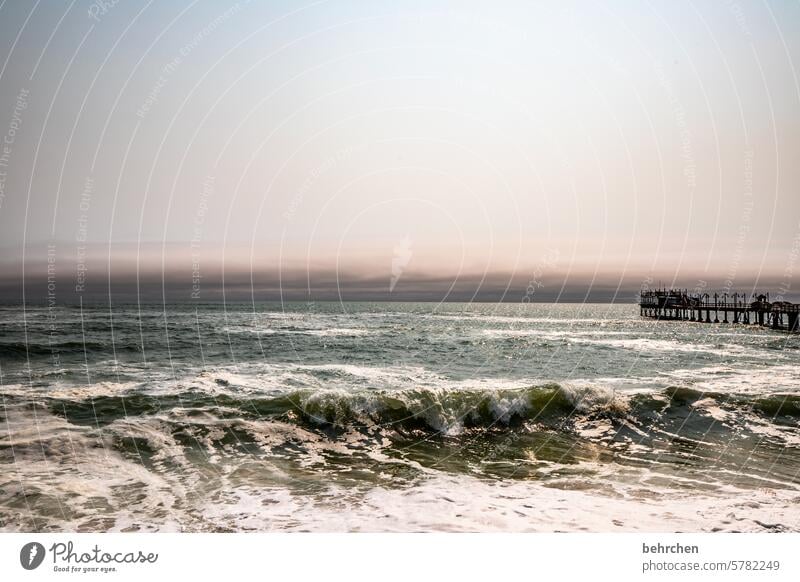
[{"x": 449, "y": 411}]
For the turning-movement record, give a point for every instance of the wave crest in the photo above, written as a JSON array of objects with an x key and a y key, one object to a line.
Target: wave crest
[{"x": 450, "y": 411}]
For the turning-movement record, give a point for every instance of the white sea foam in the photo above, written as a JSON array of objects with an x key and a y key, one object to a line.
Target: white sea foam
[
  {"x": 551, "y": 334},
  {"x": 466, "y": 504},
  {"x": 664, "y": 346},
  {"x": 334, "y": 332},
  {"x": 588, "y": 397},
  {"x": 70, "y": 391},
  {"x": 752, "y": 379},
  {"x": 65, "y": 476},
  {"x": 327, "y": 332}
]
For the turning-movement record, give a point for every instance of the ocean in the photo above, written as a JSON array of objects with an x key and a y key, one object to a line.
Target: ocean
[{"x": 394, "y": 417}]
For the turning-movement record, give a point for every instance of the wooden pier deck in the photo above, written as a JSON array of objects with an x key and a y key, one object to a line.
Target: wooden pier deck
[{"x": 679, "y": 304}]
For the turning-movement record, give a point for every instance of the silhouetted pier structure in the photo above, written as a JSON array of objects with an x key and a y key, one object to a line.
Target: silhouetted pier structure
[{"x": 672, "y": 304}]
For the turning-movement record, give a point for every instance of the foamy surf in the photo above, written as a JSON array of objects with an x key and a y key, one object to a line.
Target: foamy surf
[{"x": 525, "y": 418}]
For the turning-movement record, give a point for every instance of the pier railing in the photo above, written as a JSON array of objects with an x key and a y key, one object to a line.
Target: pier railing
[{"x": 756, "y": 309}]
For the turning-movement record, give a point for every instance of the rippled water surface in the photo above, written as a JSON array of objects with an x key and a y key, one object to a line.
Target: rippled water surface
[{"x": 398, "y": 417}]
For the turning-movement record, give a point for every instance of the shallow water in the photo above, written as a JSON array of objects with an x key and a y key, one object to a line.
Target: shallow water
[{"x": 394, "y": 417}]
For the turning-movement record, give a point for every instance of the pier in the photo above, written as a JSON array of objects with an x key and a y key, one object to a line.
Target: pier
[{"x": 679, "y": 304}]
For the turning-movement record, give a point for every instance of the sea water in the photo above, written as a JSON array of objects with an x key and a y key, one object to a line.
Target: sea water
[{"x": 394, "y": 417}]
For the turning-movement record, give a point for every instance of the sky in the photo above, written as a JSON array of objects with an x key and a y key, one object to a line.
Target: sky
[{"x": 436, "y": 150}]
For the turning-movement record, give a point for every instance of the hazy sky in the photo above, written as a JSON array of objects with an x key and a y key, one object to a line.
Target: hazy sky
[{"x": 411, "y": 145}]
